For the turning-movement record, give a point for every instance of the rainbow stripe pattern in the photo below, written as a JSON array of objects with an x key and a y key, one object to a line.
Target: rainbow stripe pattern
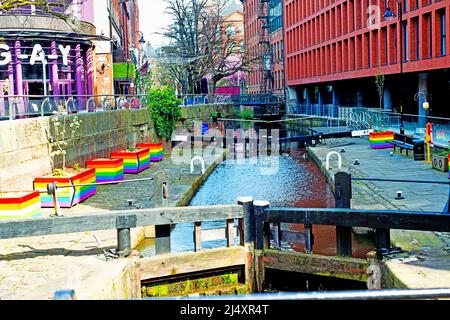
[
  {"x": 134, "y": 161},
  {"x": 19, "y": 205},
  {"x": 381, "y": 140},
  {"x": 107, "y": 170},
  {"x": 67, "y": 197},
  {"x": 156, "y": 150}
]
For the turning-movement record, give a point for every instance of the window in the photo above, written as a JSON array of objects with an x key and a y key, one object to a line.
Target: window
[
  {"x": 405, "y": 42},
  {"x": 443, "y": 34},
  {"x": 416, "y": 24}
]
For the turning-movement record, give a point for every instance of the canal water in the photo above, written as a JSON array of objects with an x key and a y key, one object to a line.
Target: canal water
[{"x": 287, "y": 180}]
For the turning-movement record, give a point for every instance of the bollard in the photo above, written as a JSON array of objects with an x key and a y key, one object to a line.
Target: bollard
[
  {"x": 123, "y": 226},
  {"x": 160, "y": 199},
  {"x": 343, "y": 195}
]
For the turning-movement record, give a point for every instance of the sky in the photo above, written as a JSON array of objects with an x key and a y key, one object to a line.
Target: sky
[{"x": 152, "y": 20}]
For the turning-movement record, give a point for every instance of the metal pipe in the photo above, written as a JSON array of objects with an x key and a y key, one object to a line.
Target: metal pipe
[
  {"x": 337, "y": 295},
  {"x": 398, "y": 180},
  {"x": 100, "y": 184}
]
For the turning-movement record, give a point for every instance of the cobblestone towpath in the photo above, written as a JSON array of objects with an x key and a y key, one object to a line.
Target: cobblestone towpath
[
  {"x": 34, "y": 268},
  {"x": 426, "y": 261}
]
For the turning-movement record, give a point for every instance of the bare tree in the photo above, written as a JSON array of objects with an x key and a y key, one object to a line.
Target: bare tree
[
  {"x": 185, "y": 37},
  {"x": 206, "y": 44}
]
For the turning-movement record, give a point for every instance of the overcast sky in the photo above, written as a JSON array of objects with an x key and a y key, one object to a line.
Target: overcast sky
[{"x": 152, "y": 19}]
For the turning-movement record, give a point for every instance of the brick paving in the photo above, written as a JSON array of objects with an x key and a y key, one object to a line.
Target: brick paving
[
  {"x": 426, "y": 264},
  {"x": 34, "y": 268}
]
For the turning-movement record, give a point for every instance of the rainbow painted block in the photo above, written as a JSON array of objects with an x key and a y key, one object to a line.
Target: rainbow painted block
[
  {"x": 107, "y": 170},
  {"x": 71, "y": 196},
  {"x": 156, "y": 150},
  {"x": 381, "y": 140},
  {"x": 134, "y": 161},
  {"x": 19, "y": 205}
]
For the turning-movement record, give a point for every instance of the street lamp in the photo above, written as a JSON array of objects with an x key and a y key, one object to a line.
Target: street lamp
[
  {"x": 140, "y": 59},
  {"x": 389, "y": 15}
]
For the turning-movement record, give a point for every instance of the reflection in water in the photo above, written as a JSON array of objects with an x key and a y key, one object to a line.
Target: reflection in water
[
  {"x": 287, "y": 180},
  {"x": 296, "y": 183}
]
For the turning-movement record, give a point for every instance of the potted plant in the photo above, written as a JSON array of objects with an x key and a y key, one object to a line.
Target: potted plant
[
  {"x": 135, "y": 160},
  {"x": 107, "y": 170},
  {"x": 164, "y": 107},
  {"x": 67, "y": 179},
  {"x": 156, "y": 149},
  {"x": 439, "y": 160},
  {"x": 19, "y": 204},
  {"x": 381, "y": 140}
]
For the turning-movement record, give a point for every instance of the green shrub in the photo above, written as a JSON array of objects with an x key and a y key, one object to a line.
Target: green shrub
[{"x": 165, "y": 110}]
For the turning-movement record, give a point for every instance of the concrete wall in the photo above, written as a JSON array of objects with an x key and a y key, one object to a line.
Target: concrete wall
[{"x": 25, "y": 150}]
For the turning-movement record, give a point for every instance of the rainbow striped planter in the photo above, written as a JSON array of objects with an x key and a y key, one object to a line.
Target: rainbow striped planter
[
  {"x": 67, "y": 197},
  {"x": 381, "y": 140},
  {"x": 107, "y": 170},
  {"x": 134, "y": 161},
  {"x": 19, "y": 205},
  {"x": 156, "y": 150}
]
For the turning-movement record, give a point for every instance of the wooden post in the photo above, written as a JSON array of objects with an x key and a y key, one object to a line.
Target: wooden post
[
  {"x": 261, "y": 241},
  {"x": 229, "y": 232},
  {"x": 374, "y": 271},
  {"x": 277, "y": 235},
  {"x": 309, "y": 238},
  {"x": 343, "y": 195},
  {"x": 247, "y": 234},
  {"x": 260, "y": 228},
  {"x": 197, "y": 236},
  {"x": 383, "y": 238},
  {"x": 160, "y": 199}
]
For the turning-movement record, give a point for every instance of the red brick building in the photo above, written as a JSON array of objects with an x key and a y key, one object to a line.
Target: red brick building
[
  {"x": 264, "y": 40},
  {"x": 334, "y": 50}
]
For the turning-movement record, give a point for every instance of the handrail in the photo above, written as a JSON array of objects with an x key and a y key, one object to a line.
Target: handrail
[
  {"x": 389, "y": 219},
  {"x": 108, "y": 220},
  {"x": 333, "y": 295}
]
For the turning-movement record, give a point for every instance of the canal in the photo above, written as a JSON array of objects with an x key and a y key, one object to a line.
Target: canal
[{"x": 286, "y": 178}]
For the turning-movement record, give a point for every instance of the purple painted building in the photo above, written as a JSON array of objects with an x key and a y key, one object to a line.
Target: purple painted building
[{"x": 42, "y": 56}]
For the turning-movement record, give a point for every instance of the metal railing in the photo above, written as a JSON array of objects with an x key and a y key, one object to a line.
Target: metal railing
[
  {"x": 404, "y": 294},
  {"x": 199, "y": 99},
  {"x": 26, "y": 106},
  {"x": 358, "y": 118}
]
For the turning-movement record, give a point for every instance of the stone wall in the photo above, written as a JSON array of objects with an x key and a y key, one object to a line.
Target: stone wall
[{"x": 25, "y": 150}]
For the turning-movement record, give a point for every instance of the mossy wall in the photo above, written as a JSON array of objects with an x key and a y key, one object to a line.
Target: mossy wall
[
  {"x": 226, "y": 283},
  {"x": 25, "y": 149}
]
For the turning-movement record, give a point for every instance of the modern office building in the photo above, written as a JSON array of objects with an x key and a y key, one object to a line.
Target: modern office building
[{"x": 335, "y": 50}]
